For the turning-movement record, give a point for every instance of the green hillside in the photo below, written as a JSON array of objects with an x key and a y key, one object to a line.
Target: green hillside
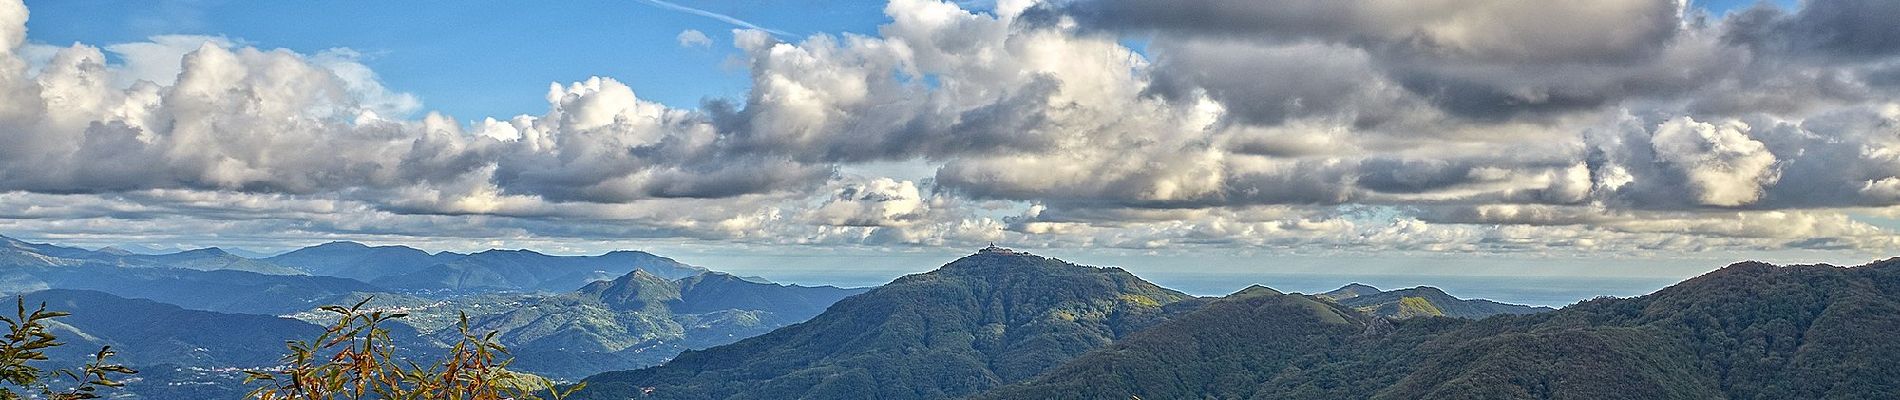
[
  {"x": 1419, "y": 302},
  {"x": 1749, "y": 331},
  {"x": 976, "y": 323},
  {"x": 523, "y": 270}
]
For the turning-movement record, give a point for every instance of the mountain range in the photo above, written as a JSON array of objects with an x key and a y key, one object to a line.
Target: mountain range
[
  {"x": 1750, "y": 330},
  {"x": 998, "y": 324},
  {"x": 640, "y": 319},
  {"x": 194, "y": 317},
  {"x": 973, "y": 324},
  {"x": 1419, "y": 302}
]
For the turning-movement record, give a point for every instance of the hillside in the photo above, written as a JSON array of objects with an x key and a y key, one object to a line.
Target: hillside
[
  {"x": 218, "y": 290},
  {"x": 1421, "y": 301},
  {"x": 211, "y": 259},
  {"x": 1245, "y": 337},
  {"x": 636, "y": 320},
  {"x": 357, "y": 261},
  {"x": 975, "y": 323},
  {"x": 17, "y": 253},
  {"x": 1750, "y": 330},
  {"x": 523, "y": 270},
  {"x": 149, "y": 332}
]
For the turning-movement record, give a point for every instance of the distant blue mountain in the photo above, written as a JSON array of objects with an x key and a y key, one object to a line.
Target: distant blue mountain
[
  {"x": 525, "y": 270},
  {"x": 181, "y": 353},
  {"x": 565, "y": 316},
  {"x": 15, "y": 252},
  {"x": 640, "y": 319},
  {"x": 358, "y": 261}
]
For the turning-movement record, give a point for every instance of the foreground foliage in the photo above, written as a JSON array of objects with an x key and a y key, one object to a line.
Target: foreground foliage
[
  {"x": 355, "y": 359},
  {"x": 25, "y": 344}
]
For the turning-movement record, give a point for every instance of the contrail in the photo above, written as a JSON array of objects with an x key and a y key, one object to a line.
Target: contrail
[{"x": 709, "y": 14}]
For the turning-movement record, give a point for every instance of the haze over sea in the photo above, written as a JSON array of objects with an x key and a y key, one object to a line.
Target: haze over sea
[{"x": 1535, "y": 281}]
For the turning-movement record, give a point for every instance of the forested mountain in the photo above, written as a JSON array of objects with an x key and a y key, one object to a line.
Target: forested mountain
[
  {"x": 1224, "y": 350},
  {"x": 641, "y": 319},
  {"x": 524, "y": 270},
  {"x": 656, "y": 307},
  {"x": 995, "y": 325},
  {"x": 1420, "y": 301},
  {"x": 147, "y": 332},
  {"x": 361, "y": 262},
  {"x": 1750, "y": 330},
  {"x": 715, "y": 291},
  {"x": 211, "y": 259},
  {"x": 180, "y": 353},
  {"x": 975, "y": 323},
  {"x": 15, "y": 252},
  {"x": 221, "y": 290}
]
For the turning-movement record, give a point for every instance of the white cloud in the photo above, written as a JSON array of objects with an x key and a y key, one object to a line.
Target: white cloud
[
  {"x": 1725, "y": 167},
  {"x": 156, "y": 60},
  {"x": 1370, "y": 126},
  {"x": 693, "y": 38},
  {"x": 878, "y": 202}
]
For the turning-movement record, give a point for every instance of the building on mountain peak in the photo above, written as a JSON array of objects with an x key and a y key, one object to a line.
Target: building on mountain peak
[{"x": 994, "y": 249}]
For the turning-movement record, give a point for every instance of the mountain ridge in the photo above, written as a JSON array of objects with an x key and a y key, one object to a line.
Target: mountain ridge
[
  {"x": 974, "y": 323},
  {"x": 1420, "y": 301},
  {"x": 1750, "y": 330}
]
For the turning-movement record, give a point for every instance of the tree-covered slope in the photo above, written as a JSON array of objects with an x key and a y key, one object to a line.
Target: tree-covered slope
[
  {"x": 357, "y": 261},
  {"x": 1749, "y": 331},
  {"x": 1221, "y": 350},
  {"x": 1421, "y": 301},
  {"x": 978, "y": 322},
  {"x": 17, "y": 253},
  {"x": 218, "y": 290},
  {"x": 211, "y": 259},
  {"x": 149, "y": 332},
  {"x": 640, "y": 319},
  {"x": 715, "y": 291},
  {"x": 525, "y": 270}
]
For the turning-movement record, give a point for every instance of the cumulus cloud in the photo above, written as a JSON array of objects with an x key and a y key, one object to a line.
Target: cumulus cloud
[
  {"x": 1723, "y": 165},
  {"x": 879, "y": 202},
  {"x": 693, "y": 38},
  {"x": 1381, "y": 125}
]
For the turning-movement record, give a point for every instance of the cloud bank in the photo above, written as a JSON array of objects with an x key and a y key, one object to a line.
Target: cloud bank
[{"x": 1443, "y": 125}]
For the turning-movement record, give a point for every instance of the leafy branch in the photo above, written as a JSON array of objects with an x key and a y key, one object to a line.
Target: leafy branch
[
  {"x": 356, "y": 359},
  {"x": 26, "y": 341}
]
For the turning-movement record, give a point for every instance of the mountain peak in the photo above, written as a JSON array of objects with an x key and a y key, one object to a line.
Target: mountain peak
[
  {"x": 635, "y": 290},
  {"x": 988, "y": 318},
  {"x": 1255, "y": 290},
  {"x": 1359, "y": 286},
  {"x": 341, "y": 244},
  {"x": 1351, "y": 290},
  {"x": 1423, "y": 291},
  {"x": 999, "y": 260},
  {"x": 209, "y": 251},
  {"x": 509, "y": 253}
]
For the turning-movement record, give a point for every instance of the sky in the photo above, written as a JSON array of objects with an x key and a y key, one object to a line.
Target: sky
[{"x": 1203, "y": 142}]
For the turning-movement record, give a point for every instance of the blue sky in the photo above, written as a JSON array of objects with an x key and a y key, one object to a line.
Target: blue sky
[{"x": 474, "y": 59}]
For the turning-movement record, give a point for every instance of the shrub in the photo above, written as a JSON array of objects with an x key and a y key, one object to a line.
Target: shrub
[
  {"x": 355, "y": 359},
  {"x": 25, "y": 344}
]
